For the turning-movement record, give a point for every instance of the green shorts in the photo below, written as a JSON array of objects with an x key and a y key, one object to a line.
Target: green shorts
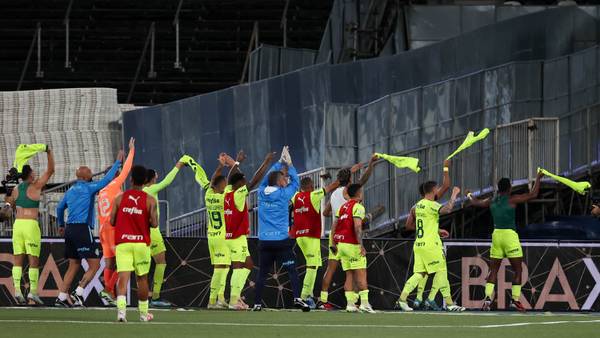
[
  {"x": 311, "y": 249},
  {"x": 505, "y": 243},
  {"x": 238, "y": 248},
  {"x": 157, "y": 243},
  {"x": 219, "y": 251},
  {"x": 429, "y": 259},
  {"x": 27, "y": 237},
  {"x": 350, "y": 257},
  {"x": 133, "y": 257}
]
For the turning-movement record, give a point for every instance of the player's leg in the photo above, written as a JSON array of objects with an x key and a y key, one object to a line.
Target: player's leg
[
  {"x": 220, "y": 260},
  {"x": 33, "y": 242},
  {"x": 17, "y": 274},
  {"x": 124, "y": 254},
  {"x": 419, "y": 272},
  {"x": 64, "y": 300},
  {"x": 34, "y": 275},
  {"x": 158, "y": 251},
  {"x": 494, "y": 267},
  {"x": 107, "y": 241},
  {"x": 88, "y": 249},
  {"x": 354, "y": 262},
  {"x": 242, "y": 265},
  {"x": 142, "y": 267},
  {"x": 285, "y": 256},
  {"x": 420, "y": 291},
  {"x": 311, "y": 249},
  {"x": 349, "y": 290},
  {"x": 266, "y": 259},
  {"x": 441, "y": 281},
  {"x": 332, "y": 265},
  {"x": 514, "y": 253}
]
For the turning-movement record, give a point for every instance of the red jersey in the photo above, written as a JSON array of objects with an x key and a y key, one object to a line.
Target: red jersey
[
  {"x": 236, "y": 222},
  {"x": 344, "y": 231},
  {"x": 307, "y": 220},
  {"x": 133, "y": 219}
]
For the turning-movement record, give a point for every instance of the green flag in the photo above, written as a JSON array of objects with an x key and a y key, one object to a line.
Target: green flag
[
  {"x": 401, "y": 161},
  {"x": 470, "y": 140},
  {"x": 25, "y": 152},
  {"x": 200, "y": 174},
  {"x": 579, "y": 187}
]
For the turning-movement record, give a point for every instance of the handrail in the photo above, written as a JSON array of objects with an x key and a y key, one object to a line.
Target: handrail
[{"x": 141, "y": 61}]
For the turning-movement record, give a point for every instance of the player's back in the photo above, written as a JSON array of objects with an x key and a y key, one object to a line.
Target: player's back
[
  {"x": 427, "y": 216},
  {"x": 132, "y": 223},
  {"x": 106, "y": 198}
]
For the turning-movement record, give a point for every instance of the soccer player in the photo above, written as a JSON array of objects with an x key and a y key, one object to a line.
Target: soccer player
[
  {"x": 505, "y": 240},
  {"x": 106, "y": 198},
  {"x": 134, "y": 215},
  {"x": 26, "y": 236},
  {"x": 337, "y": 199},
  {"x": 79, "y": 241},
  {"x": 237, "y": 225},
  {"x": 307, "y": 230},
  {"x": 274, "y": 195},
  {"x": 157, "y": 246},
  {"x": 348, "y": 244},
  {"x": 429, "y": 256}
]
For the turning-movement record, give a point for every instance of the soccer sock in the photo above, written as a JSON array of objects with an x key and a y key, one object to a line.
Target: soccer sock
[
  {"x": 516, "y": 292},
  {"x": 159, "y": 276},
  {"x": 121, "y": 303},
  {"x": 349, "y": 297},
  {"x": 489, "y": 290},
  {"x": 444, "y": 286},
  {"x": 364, "y": 297},
  {"x": 410, "y": 285},
  {"x": 309, "y": 283},
  {"x": 421, "y": 288},
  {"x": 143, "y": 307},
  {"x": 34, "y": 275},
  {"x": 215, "y": 283},
  {"x": 79, "y": 291},
  {"x": 439, "y": 282},
  {"x": 324, "y": 296},
  {"x": 112, "y": 282},
  {"x": 223, "y": 284},
  {"x": 17, "y": 272},
  {"x": 238, "y": 281}
]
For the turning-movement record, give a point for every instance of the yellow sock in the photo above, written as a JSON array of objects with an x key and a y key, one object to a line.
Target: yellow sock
[
  {"x": 34, "y": 275},
  {"x": 324, "y": 296},
  {"x": 489, "y": 290},
  {"x": 516, "y": 292},
  {"x": 17, "y": 272},
  {"x": 364, "y": 297}
]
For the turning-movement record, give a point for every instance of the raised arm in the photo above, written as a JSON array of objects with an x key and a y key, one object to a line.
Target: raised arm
[
  {"x": 235, "y": 164},
  {"x": 446, "y": 209},
  {"x": 42, "y": 180},
  {"x": 158, "y": 187},
  {"x": 218, "y": 170},
  {"x": 115, "y": 208},
  {"x": 522, "y": 198},
  {"x": 98, "y": 185},
  {"x": 275, "y": 167},
  {"x": 478, "y": 202},
  {"x": 365, "y": 176},
  {"x": 331, "y": 187},
  {"x": 410, "y": 221},
  {"x": 327, "y": 211},
  {"x": 445, "y": 183},
  {"x": 262, "y": 170},
  {"x": 294, "y": 185},
  {"x": 60, "y": 212},
  {"x": 120, "y": 180}
]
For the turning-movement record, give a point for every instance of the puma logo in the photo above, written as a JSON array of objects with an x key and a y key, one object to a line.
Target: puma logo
[
  {"x": 301, "y": 199},
  {"x": 134, "y": 199},
  {"x": 227, "y": 202}
]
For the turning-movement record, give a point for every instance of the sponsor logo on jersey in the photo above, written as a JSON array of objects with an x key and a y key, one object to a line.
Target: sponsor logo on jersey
[
  {"x": 135, "y": 200},
  {"x": 132, "y": 210},
  {"x": 130, "y": 237},
  {"x": 302, "y": 232},
  {"x": 301, "y": 210}
]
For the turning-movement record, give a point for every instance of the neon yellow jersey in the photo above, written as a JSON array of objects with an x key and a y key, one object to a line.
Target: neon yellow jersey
[
  {"x": 316, "y": 196},
  {"x": 215, "y": 212},
  {"x": 427, "y": 218},
  {"x": 239, "y": 196}
]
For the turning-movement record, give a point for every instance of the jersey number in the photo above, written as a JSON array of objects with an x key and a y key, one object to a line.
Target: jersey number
[
  {"x": 216, "y": 220},
  {"x": 419, "y": 228}
]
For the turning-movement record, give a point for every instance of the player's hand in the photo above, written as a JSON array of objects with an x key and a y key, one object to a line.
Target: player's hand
[
  {"x": 455, "y": 191},
  {"x": 222, "y": 159},
  {"x": 326, "y": 176},
  {"x": 444, "y": 233},
  {"x": 270, "y": 155},
  {"x": 121, "y": 155},
  {"x": 447, "y": 163},
  {"x": 229, "y": 161},
  {"x": 374, "y": 158},
  {"x": 363, "y": 252},
  {"x": 356, "y": 167},
  {"x": 61, "y": 232},
  {"x": 179, "y": 164},
  {"x": 241, "y": 156},
  {"x": 131, "y": 143},
  {"x": 540, "y": 174}
]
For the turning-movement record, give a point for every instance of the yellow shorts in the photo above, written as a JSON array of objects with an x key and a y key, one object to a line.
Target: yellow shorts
[
  {"x": 27, "y": 237},
  {"x": 238, "y": 248},
  {"x": 219, "y": 251},
  {"x": 133, "y": 257},
  {"x": 311, "y": 249},
  {"x": 429, "y": 259},
  {"x": 505, "y": 243},
  {"x": 157, "y": 243},
  {"x": 350, "y": 257}
]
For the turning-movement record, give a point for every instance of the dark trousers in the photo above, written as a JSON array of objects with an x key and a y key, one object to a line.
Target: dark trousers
[{"x": 282, "y": 253}]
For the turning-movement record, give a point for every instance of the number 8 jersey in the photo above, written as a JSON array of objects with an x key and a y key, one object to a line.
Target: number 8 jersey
[
  {"x": 215, "y": 212},
  {"x": 427, "y": 218}
]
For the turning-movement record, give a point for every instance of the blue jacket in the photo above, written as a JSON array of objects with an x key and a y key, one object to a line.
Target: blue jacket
[
  {"x": 79, "y": 199},
  {"x": 273, "y": 202}
]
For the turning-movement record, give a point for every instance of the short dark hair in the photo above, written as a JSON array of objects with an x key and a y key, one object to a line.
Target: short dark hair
[
  {"x": 343, "y": 175},
  {"x": 233, "y": 179},
  {"x": 274, "y": 177},
  {"x": 150, "y": 175},
  {"x": 139, "y": 174},
  {"x": 504, "y": 184},
  {"x": 217, "y": 180},
  {"x": 305, "y": 181},
  {"x": 353, "y": 189},
  {"x": 427, "y": 187},
  {"x": 26, "y": 172},
  {"x": 421, "y": 189}
]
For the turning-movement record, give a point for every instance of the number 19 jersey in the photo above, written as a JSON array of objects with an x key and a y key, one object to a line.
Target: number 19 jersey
[
  {"x": 427, "y": 217},
  {"x": 215, "y": 212}
]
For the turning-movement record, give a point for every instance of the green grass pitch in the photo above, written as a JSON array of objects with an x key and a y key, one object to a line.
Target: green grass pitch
[{"x": 92, "y": 323}]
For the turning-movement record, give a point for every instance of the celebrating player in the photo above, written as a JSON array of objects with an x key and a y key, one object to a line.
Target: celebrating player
[
  {"x": 157, "y": 246},
  {"x": 348, "y": 244},
  {"x": 106, "y": 198},
  {"x": 135, "y": 213},
  {"x": 505, "y": 240},
  {"x": 79, "y": 241},
  {"x": 26, "y": 236},
  {"x": 237, "y": 225},
  {"x": 307, "y": 230},
  {"x": 337, "y": 199}
]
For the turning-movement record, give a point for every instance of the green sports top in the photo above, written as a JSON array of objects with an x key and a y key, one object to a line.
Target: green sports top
[
  {"x": 503, "y": 213},
  {"x": 215, "y": 212},
  {"x": 427, "y": 218},
  {"x": 23, "y": 201}
]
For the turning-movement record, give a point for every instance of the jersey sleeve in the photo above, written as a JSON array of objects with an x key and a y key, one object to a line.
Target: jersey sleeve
[
  {"x": 156, "y": 188},
  {"x": 316, "y": 197},
  {"x": 437, "y": 206},
  {"x": 358, "y": 211},
  {"x": 239, "y": 197},
  {"x": 120, "y": 180}
]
